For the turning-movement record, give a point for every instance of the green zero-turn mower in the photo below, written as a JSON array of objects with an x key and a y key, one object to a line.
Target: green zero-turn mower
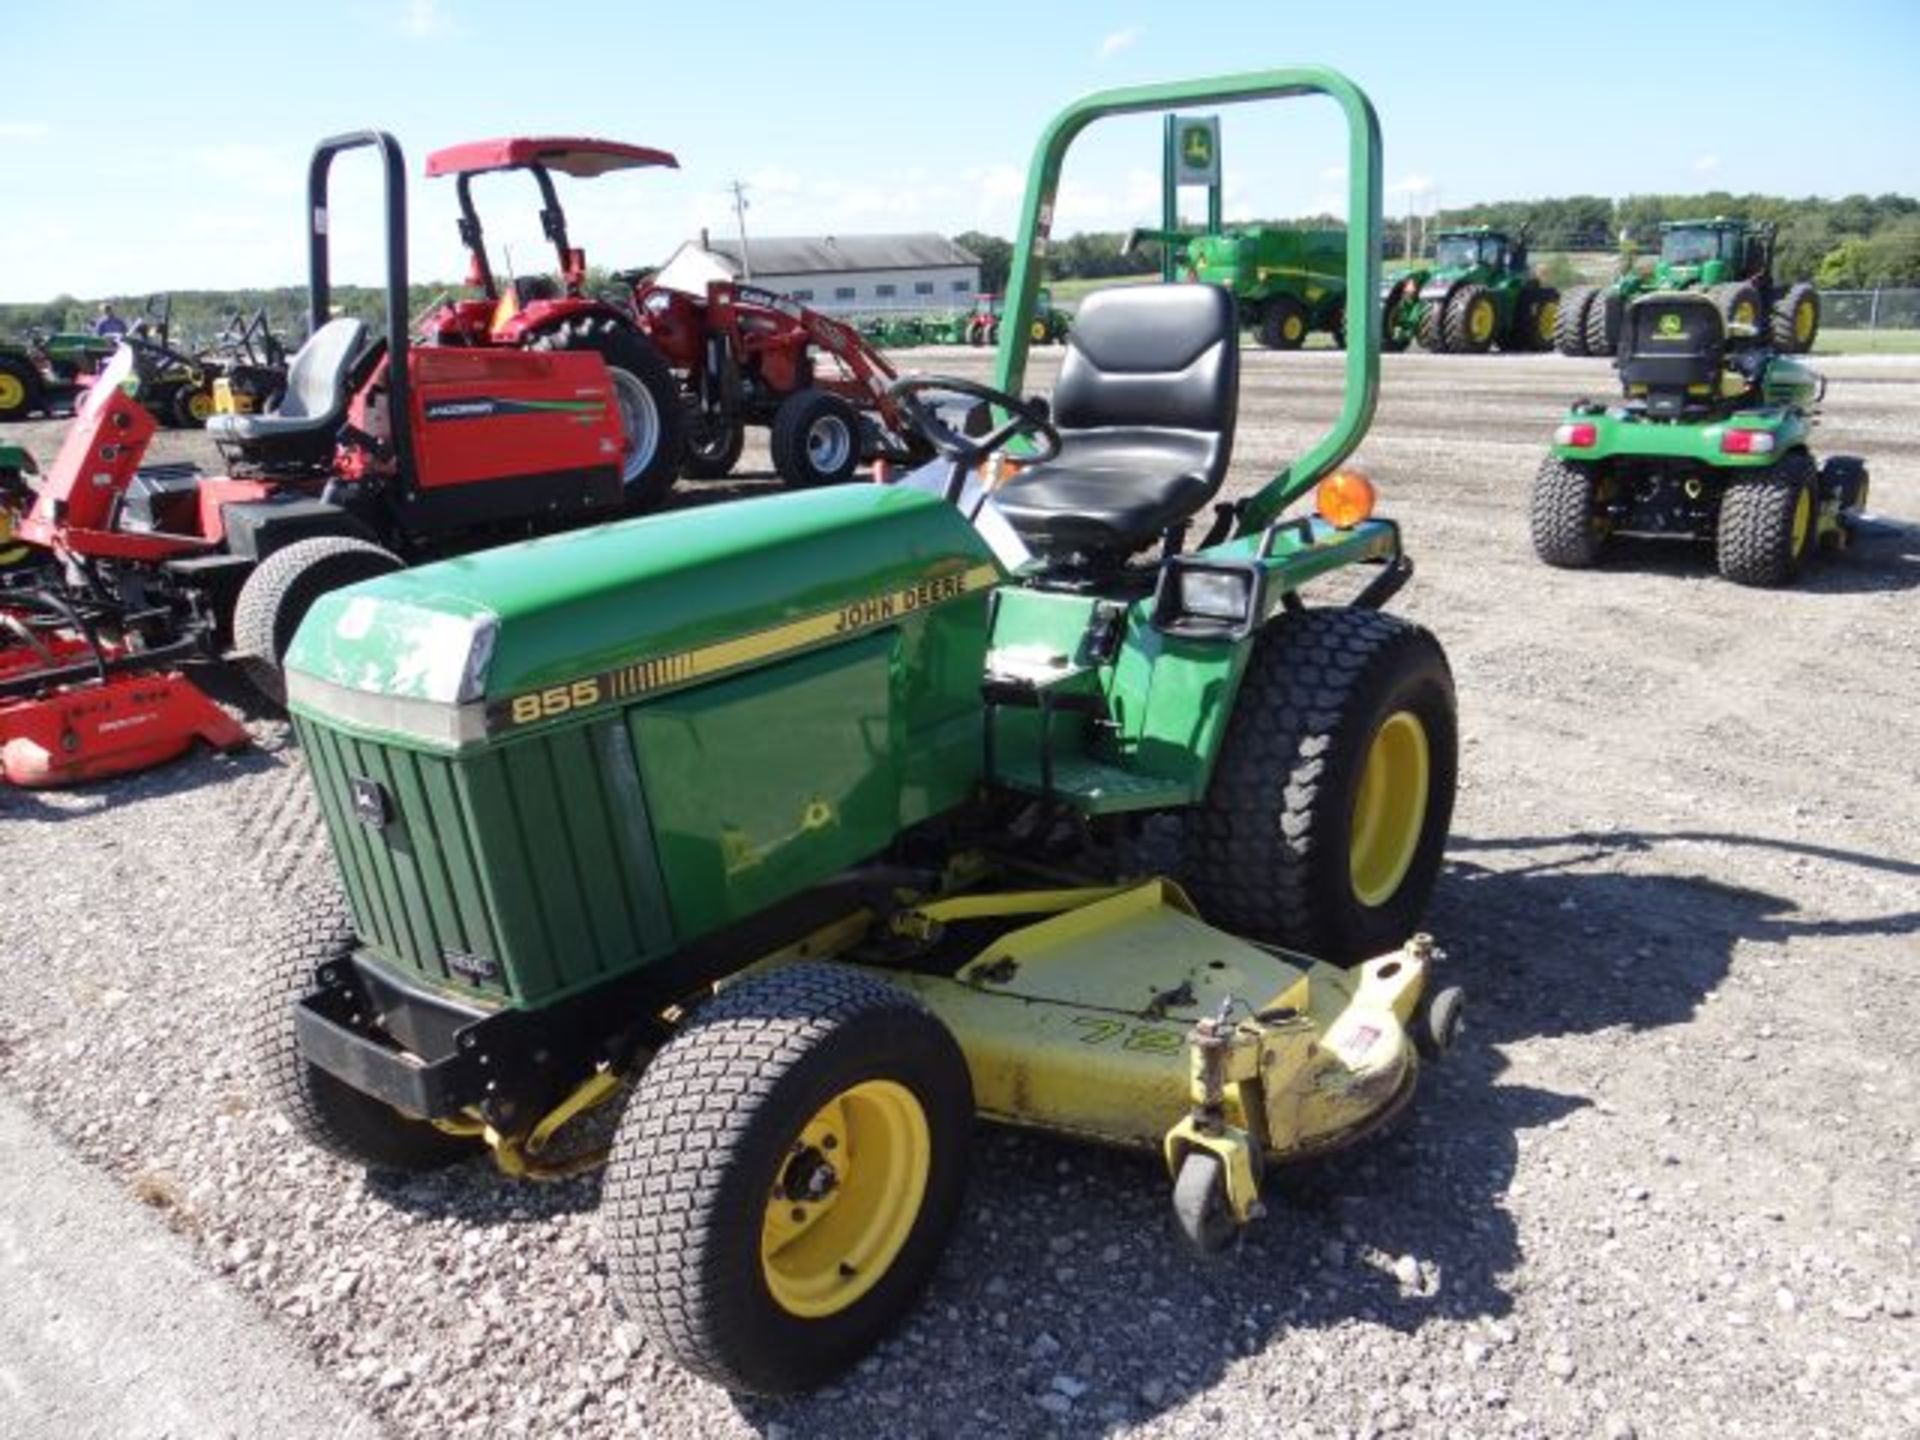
[
  {"x": 1710, "y": 442},
  {"x": 815, "y": 825}
]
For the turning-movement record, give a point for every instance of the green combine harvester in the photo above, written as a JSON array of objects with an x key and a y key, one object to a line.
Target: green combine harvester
[
  {"x": 814, "y": 826},
  {"x": 1288, "y": 283},
  {"x": 1711, "y": 442},
  {"x": 1730, "y": 260},
  {"x": 1479, "y": 292}
]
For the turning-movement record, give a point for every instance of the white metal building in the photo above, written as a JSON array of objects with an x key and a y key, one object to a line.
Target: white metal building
[{"x": 837, "y": 272}]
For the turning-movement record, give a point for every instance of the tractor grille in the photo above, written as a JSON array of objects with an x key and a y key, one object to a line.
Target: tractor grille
[{"x": 522, "y": 873}]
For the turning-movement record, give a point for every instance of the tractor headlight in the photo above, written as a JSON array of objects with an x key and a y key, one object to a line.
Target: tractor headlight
[{"x": 1206, "y": 598}]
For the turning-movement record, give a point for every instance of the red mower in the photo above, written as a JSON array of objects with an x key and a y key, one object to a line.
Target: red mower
[{"x": 380, "y": 453}]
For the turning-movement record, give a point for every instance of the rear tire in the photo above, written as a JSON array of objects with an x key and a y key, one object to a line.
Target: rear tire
[
  {"x": 280, "y": 591},
  {"x": 324, "y": 1111},
  {"x": 1431, "y": 330},
  {"x": 1767, "y": 523},
  {"x": 1283, "y": 323},
  {"x": 1603, "y": 323},
  {"x": 20, "y": 390},
  {"x": 649, "y": 408},
  {"x": 1393, "y": 339},
  {"x": 1290, "y": 845},
  {"x": 816, "y": 439},
  {"x": 1568, "y": 530},
  {"x": 1472, "y": 320},
  {"x": 1570, "y": 326},
  {"x": 743, "y": 1105},
  {"x": 190, "y": 407},
  {"x": 1796, "y": 319},
  {"x": 1536, "y": 320}
]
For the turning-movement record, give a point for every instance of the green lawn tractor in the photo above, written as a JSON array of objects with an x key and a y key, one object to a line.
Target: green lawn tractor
[
  {"x": 1289, "y": 283},
  {"x": 17, "y": 470},
  {"x": 815, "y": 825},
  {"x": 1730, "y": 260},
  {"x": 1479, "y": 292},
  {"x": 1710, "y": 443},
  {"x": 44, "y": 374}
]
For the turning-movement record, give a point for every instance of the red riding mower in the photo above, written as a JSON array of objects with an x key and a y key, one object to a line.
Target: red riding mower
[{"x": 380, "y": 453}]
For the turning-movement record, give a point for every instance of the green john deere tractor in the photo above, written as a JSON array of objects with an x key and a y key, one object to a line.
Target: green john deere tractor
[
  {"x": 43, "y": 373},
  {"x": 1478, "y": 292},
  {"x": 16, "y": 498},
  {"x": 813, "y": 826},
  {"x": 1711, "y": 442},
  {"x": 1289, "y": 283},
  {"x": 1731, "y": 260}
]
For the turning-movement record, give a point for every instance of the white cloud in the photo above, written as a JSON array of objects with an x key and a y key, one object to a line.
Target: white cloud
[
  {"x": 425, "y": 20},
  {"x": 1412, "y": 185},
  {"x": 1334, "y": 172},
  {"x": 1119, "y": 40},
  {"x": 1706, "y": 163},
  {"x": 23, "y": 129}
]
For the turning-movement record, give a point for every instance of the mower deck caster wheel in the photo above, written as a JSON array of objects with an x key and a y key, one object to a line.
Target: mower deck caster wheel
[
  {"x": 1438, "y": 1027},
  {"x": 1200, "y": 1206}
]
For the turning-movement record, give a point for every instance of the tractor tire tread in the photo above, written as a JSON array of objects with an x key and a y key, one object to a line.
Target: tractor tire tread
[
  {"x": 622, "y": 346},
  {"x": 1570, "y": 329},
  {"x": 260, "y": 634},
  {"x": 1561, "y": 514},
  {"x": 1753, "y": 538},
  {"x": 701, "y": 1101},
  {"x": 1454, "y": 325},
  {"x": 788, "y": 438},
  {"x": 1603, "y": 323},
  {"x": 1252, "y": 849}
]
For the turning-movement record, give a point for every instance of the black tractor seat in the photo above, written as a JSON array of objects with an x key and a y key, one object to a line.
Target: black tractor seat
[
  {"x": 1674, "y": 352},
  {"x": 1146, "y": 403},
  {"x": 310, "y": 414}
]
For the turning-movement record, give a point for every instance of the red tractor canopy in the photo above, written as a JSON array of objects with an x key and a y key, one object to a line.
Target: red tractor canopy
[{"x": 573, "y": 155}]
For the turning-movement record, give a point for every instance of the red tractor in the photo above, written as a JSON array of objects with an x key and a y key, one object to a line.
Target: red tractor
[
  {"x": 380, "y": 452},
  {"x": 751, "y": 357},
  {"x": 554, "y": 313}
]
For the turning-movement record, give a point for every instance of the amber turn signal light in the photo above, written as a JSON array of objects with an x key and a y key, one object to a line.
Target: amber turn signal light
[{"x": 1345, "y": 498}]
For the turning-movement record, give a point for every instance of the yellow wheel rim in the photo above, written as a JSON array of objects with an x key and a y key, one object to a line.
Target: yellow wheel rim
[
  {"x": 12, "y": 393},
  {"x": 200, "y": 406},
  {"x": 1803, "y": 321},
  {"x": 1549, "y": 320},
  {"x": 1038, "y": 330},
  {"x": 1743, "y": 313},
  {"x": 1293, "y": 327},
  {"x": 1391, "y": 807},
  {"x": 845, "y": 1199},
  {"x": 1802, "y": 519},
  {"x": 1480, "y": 319}
]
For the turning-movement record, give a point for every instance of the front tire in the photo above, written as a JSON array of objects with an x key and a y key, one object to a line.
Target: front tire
[
  {"x": 816, "y": 439},
  {"x": 1569, "y": 530},
  {"x": 280, "y": 591},
  {"x": 648, "y": 399},
  {"x": 1283, "y": 324},
  {"x": 324, "y": 1111},
  {"x": 1537, "y": 321},
  {"x": 1739, "y": 304},
  {"x": 786, "y": 1176},
  {"x": 1767, "y": 523},
  {"x": 713, "y": 448},
  {"x": 1323, "y": 827},
  {"x": 19, "y": 389}
]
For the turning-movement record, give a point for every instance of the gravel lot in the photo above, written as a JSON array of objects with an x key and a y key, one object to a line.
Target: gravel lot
[{"x": 1669, "y": 1186}]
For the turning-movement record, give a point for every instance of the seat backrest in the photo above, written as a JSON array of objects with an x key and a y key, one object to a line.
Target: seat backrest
[
  {"x": 317, "y": 378},
  {"x": 1155, "y": 357},
  {"x": 1673, "y": 343}
]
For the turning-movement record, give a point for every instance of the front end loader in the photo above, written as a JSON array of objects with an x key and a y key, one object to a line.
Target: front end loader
[{"x": 812, "y": 827}]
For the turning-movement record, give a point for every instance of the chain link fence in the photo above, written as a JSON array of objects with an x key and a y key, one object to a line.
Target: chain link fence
[{"x": 1887, "y": 309}]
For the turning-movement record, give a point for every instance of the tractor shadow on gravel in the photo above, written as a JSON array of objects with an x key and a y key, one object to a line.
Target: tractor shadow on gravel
[{"x": 1884, "y": 557}]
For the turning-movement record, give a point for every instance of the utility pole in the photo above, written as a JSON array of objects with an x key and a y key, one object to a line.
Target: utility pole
[{"x": 739, "y": 191}]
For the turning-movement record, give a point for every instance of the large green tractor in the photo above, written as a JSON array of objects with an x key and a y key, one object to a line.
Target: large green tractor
[
  {"x": 1731, "y": 260},
  {"x": 1289, "y": 283},
  {"x": 1478, "y": 292},
  {"x": 1711, "y": 442},
  {"x": 813, "y": 826}
]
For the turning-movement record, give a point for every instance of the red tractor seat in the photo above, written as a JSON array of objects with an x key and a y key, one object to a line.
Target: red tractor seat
[
  {"x": 311, "y": 412},
  {"x": 1146, "y": 403}
]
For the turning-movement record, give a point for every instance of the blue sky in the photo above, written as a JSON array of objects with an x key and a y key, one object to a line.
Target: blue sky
[{"x": 148, "y": 146}]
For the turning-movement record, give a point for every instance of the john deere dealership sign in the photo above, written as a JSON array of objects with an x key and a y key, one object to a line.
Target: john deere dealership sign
[{"x": 1196, "y": 150}]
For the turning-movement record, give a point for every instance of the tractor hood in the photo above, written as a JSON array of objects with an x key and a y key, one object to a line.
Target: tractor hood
[{"x": 529, "y": 635}]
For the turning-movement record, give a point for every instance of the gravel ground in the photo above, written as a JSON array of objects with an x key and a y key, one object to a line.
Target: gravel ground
[{"x": 1669, "y": 1186}]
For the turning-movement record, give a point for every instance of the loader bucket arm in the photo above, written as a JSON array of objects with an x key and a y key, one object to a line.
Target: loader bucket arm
[
  {"x": 1260, "y": 509},
  {"x": 320, "y": 272}
]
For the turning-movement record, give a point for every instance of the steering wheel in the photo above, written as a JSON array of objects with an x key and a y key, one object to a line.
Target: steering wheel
[{"x": 1024, "y": 418}]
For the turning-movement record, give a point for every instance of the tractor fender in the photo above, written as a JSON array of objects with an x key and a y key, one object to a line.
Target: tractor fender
[
  {"x": 257, "y": 528},
  {"x": 544, "y": 315}
]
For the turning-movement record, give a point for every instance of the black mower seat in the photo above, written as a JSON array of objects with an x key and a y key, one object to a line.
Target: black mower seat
[
  {"x": 1673, "y": 348},
  {"x": 315, "y": 403},
  {"x": 1146, "y": 403}
]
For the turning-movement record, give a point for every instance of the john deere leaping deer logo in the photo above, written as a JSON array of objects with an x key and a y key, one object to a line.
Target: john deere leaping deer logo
[
  {"x": 1669, "y": 326},
  {"x": 1196, "y": 147}
]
